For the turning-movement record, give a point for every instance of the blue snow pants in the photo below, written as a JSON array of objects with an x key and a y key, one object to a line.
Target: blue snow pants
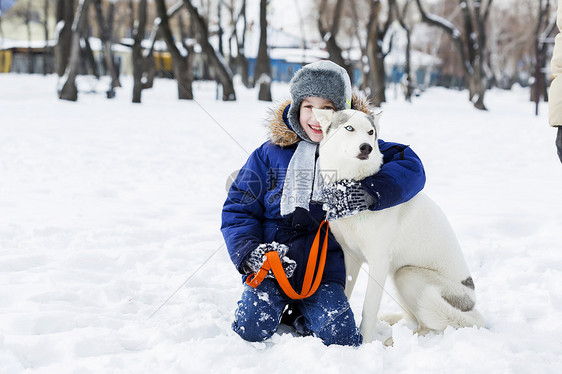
[{"x": 327, "y": 314}]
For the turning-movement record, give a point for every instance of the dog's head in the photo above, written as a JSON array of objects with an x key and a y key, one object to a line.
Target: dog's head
[{"x": 350, "y": 144}]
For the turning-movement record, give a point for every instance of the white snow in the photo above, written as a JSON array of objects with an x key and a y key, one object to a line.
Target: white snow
[{"x": 111, "y": 259}]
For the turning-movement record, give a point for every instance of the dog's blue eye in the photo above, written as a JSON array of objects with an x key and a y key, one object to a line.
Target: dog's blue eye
[{"x": 349, "y": 128}]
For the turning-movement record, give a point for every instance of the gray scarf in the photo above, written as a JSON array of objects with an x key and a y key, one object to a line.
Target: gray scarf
[{"x": 302, "y": 180}]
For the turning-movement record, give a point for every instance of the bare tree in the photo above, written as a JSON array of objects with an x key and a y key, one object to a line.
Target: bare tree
[
  {"x": 180, "y": 62},
  {"x": 220, "y": 31},
  {"x": 139, "y": 29},
  {"x": 216, "y": 60},
  {"x": 240, "y": 62},
  {"x": 470, "y": 43},
  {"x": 69, "y": 90},
  {"x": 543, "y": 29},
  {"x": 262, "y": 71},
  {"x": 46, "y": 31},
  {"x": 188, "y": 44},
  {"x": 27, "y": 17},
  {"x": 241, "y": 47},
  {"x": 87, "y": 51},
  {"x": 377, "y": 29},
  {"x": 132, "y": 19},
  {"x": 143, "y": 60},
  {"x": 400, "y": 15},
  {"x": 106, "y": 36},
  {"x": 362, "y": 42},
  {"x": 65, "y": 18},
  {"x": 510, "y": 42},
  {"x": 329, "y": 33}
]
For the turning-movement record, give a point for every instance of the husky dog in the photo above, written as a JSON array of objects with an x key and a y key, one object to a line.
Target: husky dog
[{"x": 412, "y": 242}]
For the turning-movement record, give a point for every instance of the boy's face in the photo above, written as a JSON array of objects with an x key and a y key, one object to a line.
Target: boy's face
[{"x": 307, "y": 119}]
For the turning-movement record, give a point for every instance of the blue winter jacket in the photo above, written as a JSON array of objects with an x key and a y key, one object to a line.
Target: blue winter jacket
[{"x": 251, "y": 214}]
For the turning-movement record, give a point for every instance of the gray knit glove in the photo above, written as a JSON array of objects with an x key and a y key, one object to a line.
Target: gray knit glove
[
  {"x": 345, "y": 198},
  {"x": 257, "y": 257}
]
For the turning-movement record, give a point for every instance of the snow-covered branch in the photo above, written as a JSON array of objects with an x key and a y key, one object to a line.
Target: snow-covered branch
[{"x": 438, "y": 21}]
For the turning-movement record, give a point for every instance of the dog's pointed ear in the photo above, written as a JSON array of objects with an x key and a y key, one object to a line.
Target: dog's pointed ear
[{"x": 324, "y": 117}]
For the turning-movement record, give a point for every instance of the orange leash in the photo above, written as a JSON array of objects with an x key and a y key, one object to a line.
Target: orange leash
[{"x": 310, "y": 284}]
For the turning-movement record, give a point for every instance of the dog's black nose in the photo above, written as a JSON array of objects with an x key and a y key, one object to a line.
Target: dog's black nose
[{"x": 365, "y": 149}]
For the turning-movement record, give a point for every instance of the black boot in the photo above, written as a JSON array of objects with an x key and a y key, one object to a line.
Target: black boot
[{"x": 293, "y": 317}]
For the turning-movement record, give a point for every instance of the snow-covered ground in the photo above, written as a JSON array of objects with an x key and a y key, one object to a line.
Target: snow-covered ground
[{"x": 111, "y": 259}]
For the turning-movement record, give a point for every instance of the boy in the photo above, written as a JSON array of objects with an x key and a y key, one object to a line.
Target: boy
[{"x": 275, "y": 205}]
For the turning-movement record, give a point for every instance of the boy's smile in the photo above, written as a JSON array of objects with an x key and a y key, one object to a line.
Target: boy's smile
[{"x": 308, "y": 121}]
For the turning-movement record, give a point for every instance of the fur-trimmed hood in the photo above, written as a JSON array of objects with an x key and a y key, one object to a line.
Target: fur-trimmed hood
[{"x": 279, "y": 132}]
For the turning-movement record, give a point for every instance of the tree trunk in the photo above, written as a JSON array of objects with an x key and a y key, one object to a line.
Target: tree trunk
[
  {"x": 262, "y": 71},
  {"x": 190, "y": 48},
  {"x": 90, "y": 56},
  {"x": 401, "y": 17},
  {"x": 224, "y": 75},
  {"x": 471, "y": 48},
  {"x": 184, "y": 79},
  {"x": 110, "y": 26},
  {"x": 149, "y": 67},
  {"x": 27, "y": 19},
  {"x": 220, "y": 31},
  {"x": 539, "y": 88},
  {"x": 46, "y": 31},
  {"x": 241, "y": 62},
  {"x": 181, "y": 68},
  {"x": 375, "y": 54},
  {"x": 364, "y": 65},
  {"x": 329, "y": 36},
  {"x": 483, "y": 53},
  {"x": 138, "y": 58},
  {"x": 69, "y": 90},
  {"x": 479, "y": 103},
  {"x": 65, "y": 17},
  {"x": 105, "y": 37},
  {"x": 407, "y": 68},
  {"x": 244, "y": 67}
]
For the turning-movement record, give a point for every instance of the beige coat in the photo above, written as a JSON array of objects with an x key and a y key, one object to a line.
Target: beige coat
[{"x": 555, "y": 97}]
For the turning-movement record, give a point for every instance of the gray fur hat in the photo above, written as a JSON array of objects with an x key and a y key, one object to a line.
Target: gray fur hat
[{"x": 323, "y": 79}]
